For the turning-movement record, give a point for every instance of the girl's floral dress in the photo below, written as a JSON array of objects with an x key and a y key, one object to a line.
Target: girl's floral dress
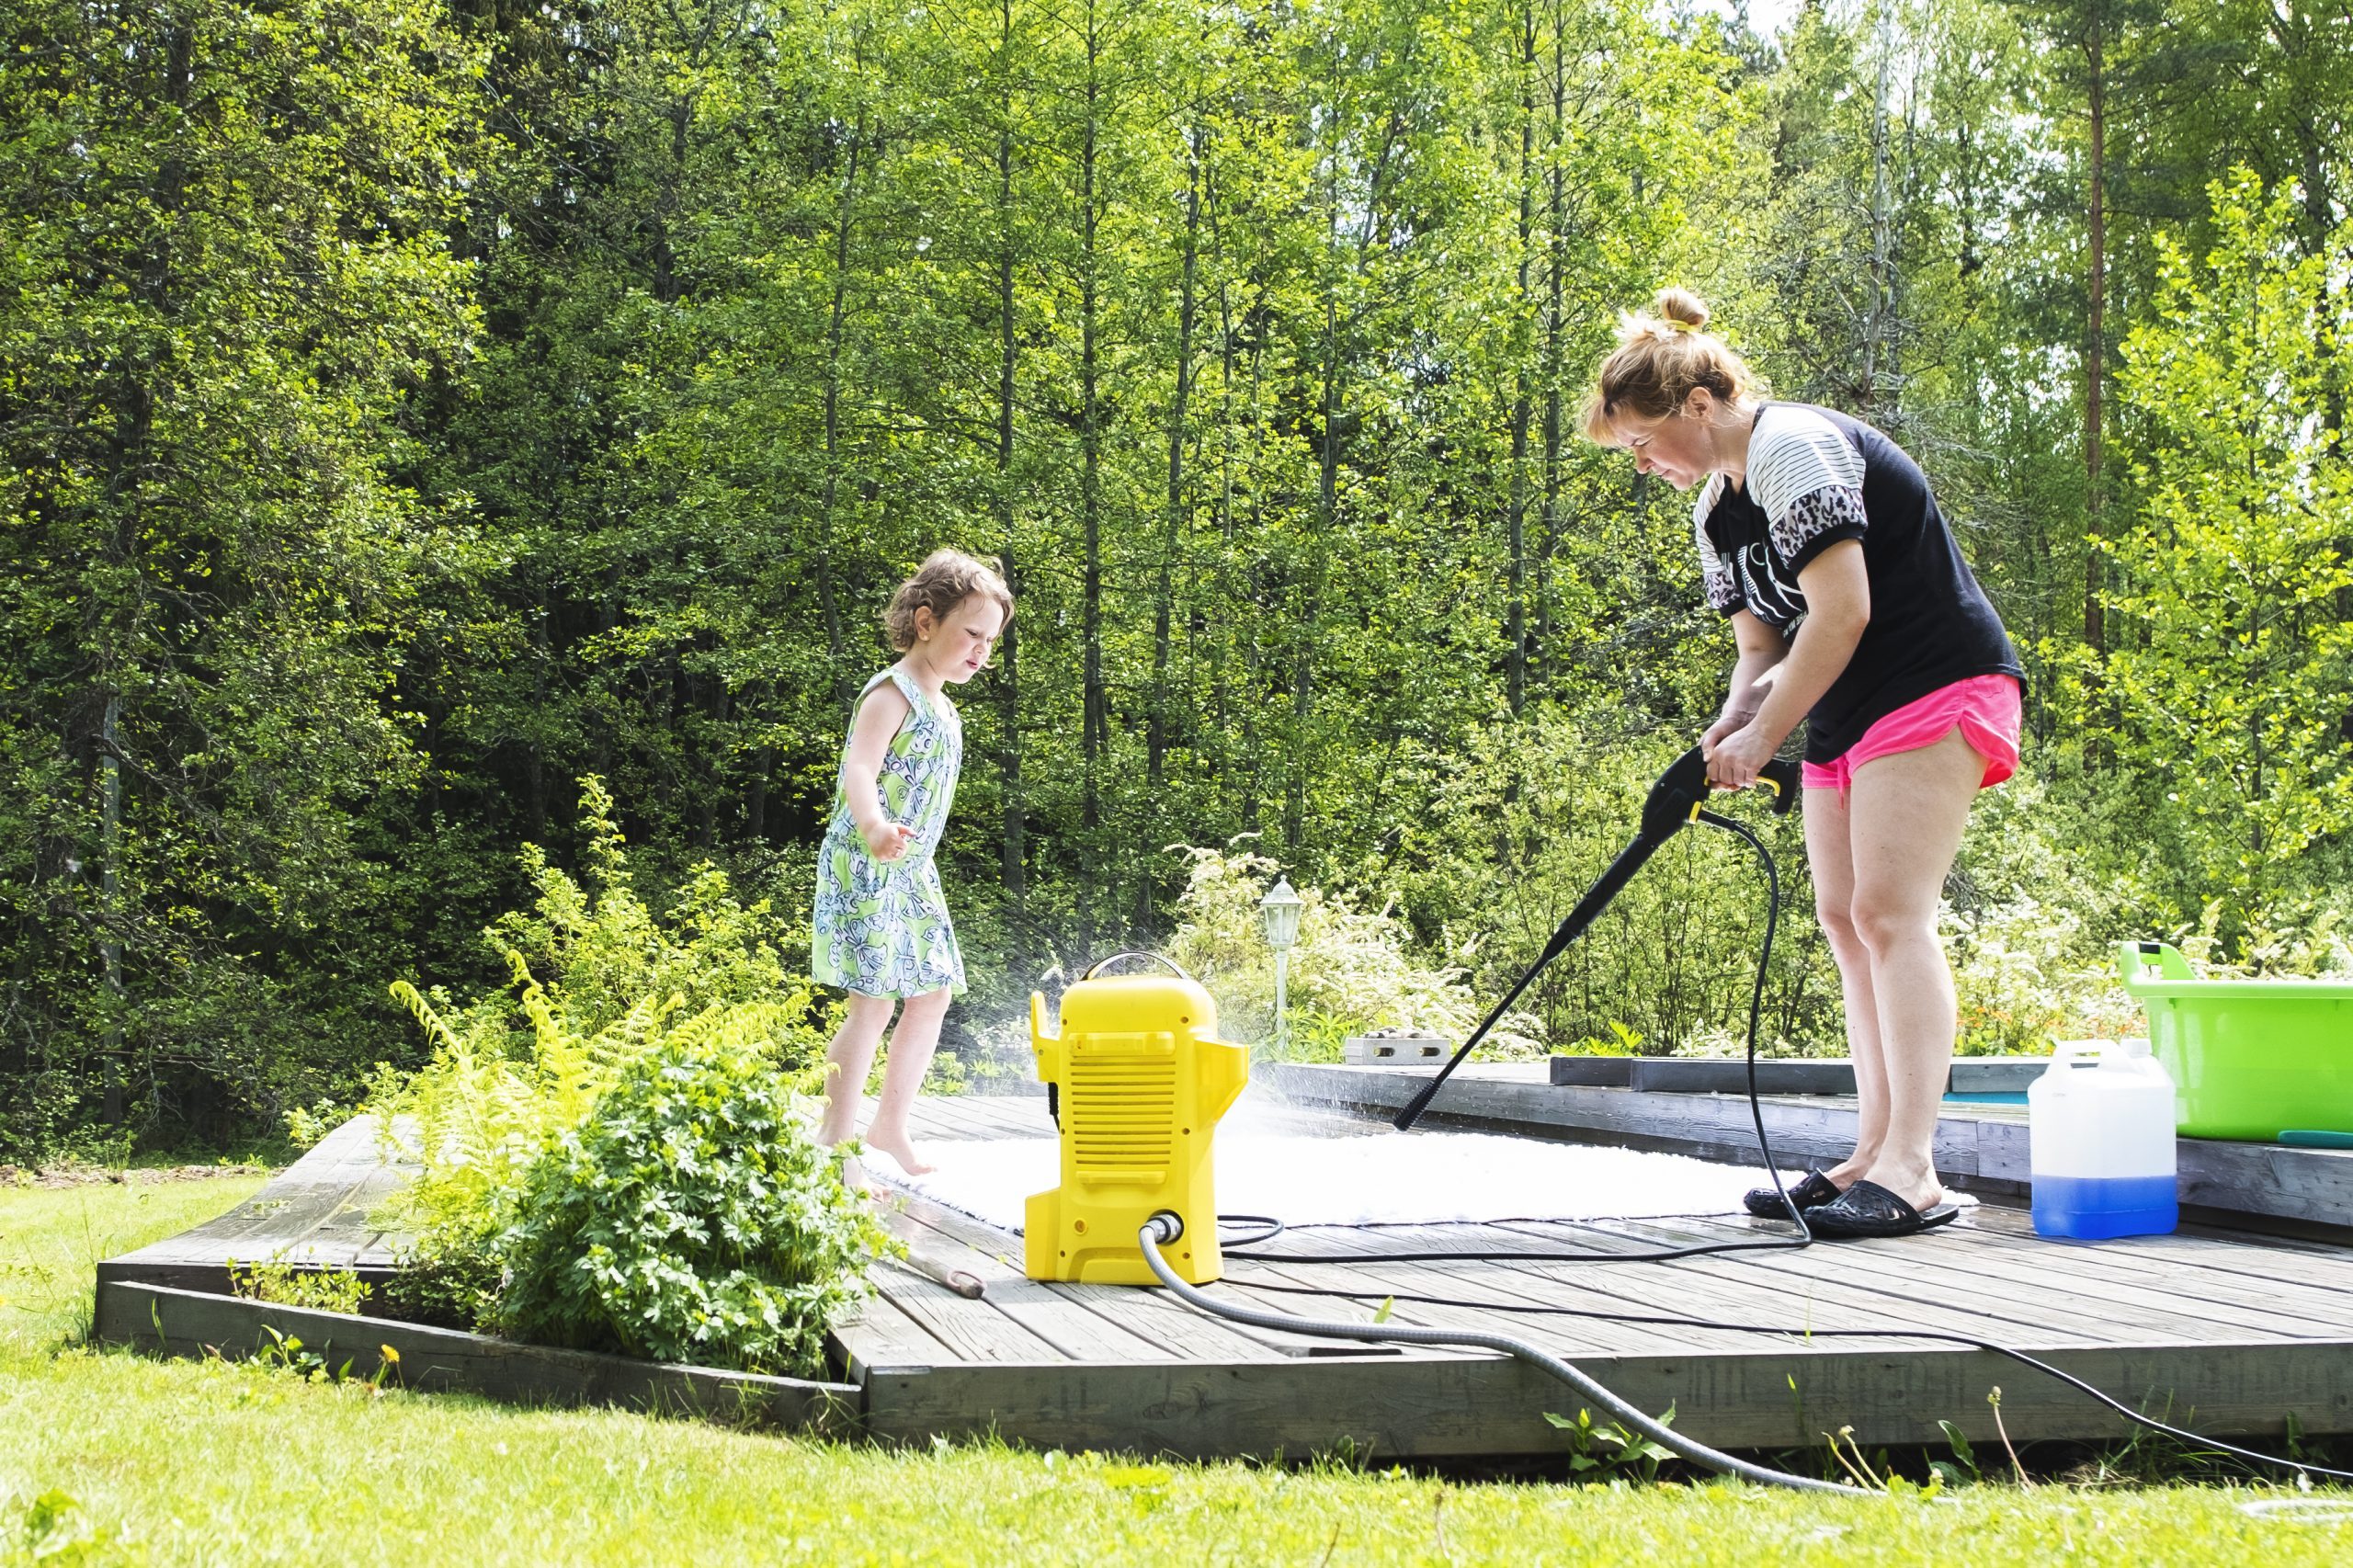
[{"x": 881, "y": 926}]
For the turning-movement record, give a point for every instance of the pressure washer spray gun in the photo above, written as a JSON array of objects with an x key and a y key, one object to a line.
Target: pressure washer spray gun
[{"x": 1680, "y": 796}]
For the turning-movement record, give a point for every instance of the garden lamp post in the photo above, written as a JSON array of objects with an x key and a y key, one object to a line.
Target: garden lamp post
[{"x": 1279, "y": 909}]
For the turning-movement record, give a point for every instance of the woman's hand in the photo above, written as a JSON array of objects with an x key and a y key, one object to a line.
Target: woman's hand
[
  {"x": 1731, "y": 723},
  {"x": 1734, "y": 760},
  {"x": 888, "y": 840}
]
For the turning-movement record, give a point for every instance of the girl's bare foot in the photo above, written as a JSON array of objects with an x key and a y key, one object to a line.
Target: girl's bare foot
[
  {"x": 854, "y": 1174},
  {"x": 903, "y": 1150}
]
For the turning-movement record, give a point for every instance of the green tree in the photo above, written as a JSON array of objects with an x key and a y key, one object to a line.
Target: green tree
[
  {"x": 2232, "y": 686},
  {"x": 225, "y": 261}
]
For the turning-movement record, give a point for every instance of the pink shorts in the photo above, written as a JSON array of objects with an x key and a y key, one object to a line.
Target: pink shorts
[{"x": 1985, "y": 708}]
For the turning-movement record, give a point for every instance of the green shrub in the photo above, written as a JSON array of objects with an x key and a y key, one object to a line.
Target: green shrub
[
  {"x": 690, "y": 1217},
  {"x": 275, "y": 1280},
  {"x": 1352, "y": 970},
  {"x": 604, "y": 989}
]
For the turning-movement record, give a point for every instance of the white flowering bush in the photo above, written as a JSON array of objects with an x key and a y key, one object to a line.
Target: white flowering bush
[{"x": 1352, "y": 971}]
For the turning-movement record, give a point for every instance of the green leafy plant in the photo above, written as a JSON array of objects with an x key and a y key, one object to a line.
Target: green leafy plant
[
  {"x": 690, "y": 1217},
  {"x": 287, "y": 1353},
  {"x": 605, "y": 992},
  {"x": 57, "y": 1531},
  {"x": 1606, "y": 1451},
  {"x": 1962, "y": 1466},
  {"x": 326, "y": 1290},
  {"x": 1621, "y": 1041},
  {"x": 306, "y": 1125}
]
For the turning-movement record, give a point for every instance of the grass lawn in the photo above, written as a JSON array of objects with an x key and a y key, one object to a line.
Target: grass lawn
[{"x": 209, "y": 1462}]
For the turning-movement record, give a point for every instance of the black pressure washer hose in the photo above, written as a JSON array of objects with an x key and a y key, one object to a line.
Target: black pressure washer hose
[
  {"x": 1163, "y": 1228},
  {"x": 1677, "y": 798}
]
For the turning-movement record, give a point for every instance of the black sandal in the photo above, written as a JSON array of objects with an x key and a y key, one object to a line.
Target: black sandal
[
  {"x": 1815, "y": 1191},
  {"x": 1869, "y": 1210}
]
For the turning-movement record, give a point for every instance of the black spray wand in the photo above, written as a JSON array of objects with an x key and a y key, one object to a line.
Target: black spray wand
[{"x": 1675, "y": 799}]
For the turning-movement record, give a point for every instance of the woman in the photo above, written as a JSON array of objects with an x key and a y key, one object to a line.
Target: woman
[{"x": 1852, "y": 608}]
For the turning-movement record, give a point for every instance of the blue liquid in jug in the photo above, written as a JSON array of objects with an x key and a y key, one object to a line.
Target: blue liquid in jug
[{"x": 2096, "y": 1208}]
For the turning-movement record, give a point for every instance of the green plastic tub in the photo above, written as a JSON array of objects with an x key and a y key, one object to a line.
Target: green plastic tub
[{"x": 2249, "y": 1059}]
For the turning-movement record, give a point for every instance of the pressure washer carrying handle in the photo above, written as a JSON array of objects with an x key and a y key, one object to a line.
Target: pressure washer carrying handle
[
  {"x": 1678, "y": 797},
  {"x": 1100, "y": 965}
]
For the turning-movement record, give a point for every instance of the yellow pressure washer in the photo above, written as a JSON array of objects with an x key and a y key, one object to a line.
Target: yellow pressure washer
[{"x": 1136, "y": 1080}]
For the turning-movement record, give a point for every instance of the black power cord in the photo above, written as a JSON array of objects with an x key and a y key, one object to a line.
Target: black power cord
[
  {"x": 2195, "y": 1440},
  {"x": 1163, "y": 1228}
]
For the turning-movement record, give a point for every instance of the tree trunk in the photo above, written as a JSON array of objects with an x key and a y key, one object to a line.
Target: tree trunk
[
  {"x": 1096, "y": 718},
  {"x": 1013, "y": 834},
  {"x": 845, "y": 689},
  {"x": 110, "y": 897},
  {"x": 1878, "y": 328},
  {"x": 1516, "y": 654},
  {"x": 119, "y": 623},
  {"x": 1556, "y": 247},
  {"x": 2095, "y": 349},
  {"x": 1220, "y": 643},
  {"x": 755, "y": 795},
  {"x": 1156, "y": 747}
]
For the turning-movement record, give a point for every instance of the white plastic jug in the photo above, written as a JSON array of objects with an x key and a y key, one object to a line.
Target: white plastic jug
[{"x": 2100, "y": 1128}]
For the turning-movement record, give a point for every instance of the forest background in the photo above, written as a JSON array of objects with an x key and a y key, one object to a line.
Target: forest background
[{"x": 411, "y": 408}]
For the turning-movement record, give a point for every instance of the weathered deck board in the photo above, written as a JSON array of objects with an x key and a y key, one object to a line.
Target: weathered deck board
[
  {"x": 2020, "y": 1272},
  {"x": 199, "y": 1323},
  {"x": 2015, "y": 1286},
  {"x": 1726, "y": 1290},
  {"x": 316, "y": 1212},
  {"x": 1804, "y": 1290},
  {"x": 969, "y": 1330},
  {"x": 880, "y": 1333},
  {"x": 1066, "y": 1318}
]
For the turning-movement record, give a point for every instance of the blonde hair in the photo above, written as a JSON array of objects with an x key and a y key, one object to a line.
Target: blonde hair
[
  {"x": 946, "y": 579},
  {"x": 1659, "y": 358}
]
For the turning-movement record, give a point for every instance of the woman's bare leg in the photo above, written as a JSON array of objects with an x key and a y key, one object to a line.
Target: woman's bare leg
[
  {"x": 1905, "y": 814},
  {"x": 908, "y": 1060},
  {"x": 1828, "y": 853}
]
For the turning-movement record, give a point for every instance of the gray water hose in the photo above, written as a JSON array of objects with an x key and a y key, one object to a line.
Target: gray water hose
[{"x": 1163, "y": 1228}]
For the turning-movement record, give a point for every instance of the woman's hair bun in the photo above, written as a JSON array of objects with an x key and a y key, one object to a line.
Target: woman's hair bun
[
  {"x": 1680, "y": 305},
  {"x": 1660, "y": 358}
]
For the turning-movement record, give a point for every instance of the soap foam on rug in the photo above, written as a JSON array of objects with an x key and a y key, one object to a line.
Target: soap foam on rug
[{"x": 1372, "y": 1178}]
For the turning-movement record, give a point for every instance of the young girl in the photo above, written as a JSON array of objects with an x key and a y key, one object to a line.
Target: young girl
[
  {"x": 1850, "y": 607},
  {"x": 880, "y": 929}
]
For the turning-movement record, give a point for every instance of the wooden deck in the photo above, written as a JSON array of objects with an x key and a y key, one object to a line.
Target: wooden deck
[
  {"x": 2230, "y": 1333},
  {"x": 319, "y": 1212}
]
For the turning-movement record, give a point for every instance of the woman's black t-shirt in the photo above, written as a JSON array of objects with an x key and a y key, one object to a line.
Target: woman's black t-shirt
[{"x": 1815, "y": 477}]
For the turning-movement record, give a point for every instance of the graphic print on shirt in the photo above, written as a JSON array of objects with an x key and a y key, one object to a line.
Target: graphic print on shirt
[{"x": 1777, "y": 604}]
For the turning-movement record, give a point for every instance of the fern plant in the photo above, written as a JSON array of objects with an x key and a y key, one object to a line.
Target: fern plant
[{"x": 599, "y": 986}]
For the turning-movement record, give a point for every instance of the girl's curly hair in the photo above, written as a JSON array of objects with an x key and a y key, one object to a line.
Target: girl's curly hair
[{"x": 946, "y": 579}]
